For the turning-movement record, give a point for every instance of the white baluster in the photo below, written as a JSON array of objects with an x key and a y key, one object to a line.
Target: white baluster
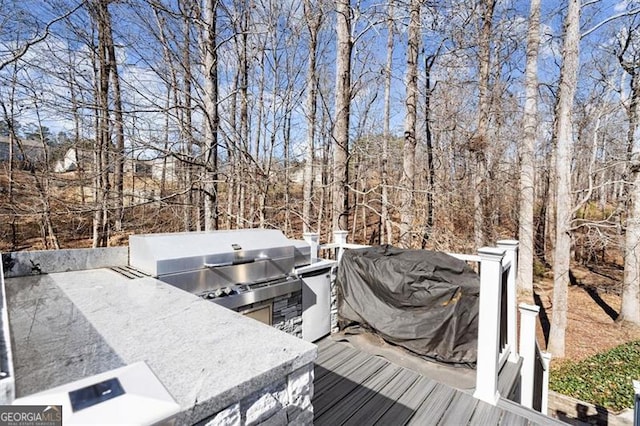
[
  {"x": 528, "y": 317},
  {"x": 546, "y": 359},
  {"x": 511, "y": 255}
]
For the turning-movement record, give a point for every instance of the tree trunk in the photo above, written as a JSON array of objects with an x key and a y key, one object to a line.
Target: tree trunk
[
  {"x": 340, "y": 216},
  {"x": 211, "y": 119},
  {"x": 562, "y": 252},
  {"x": 630, "y": 303},
  {"x": 527, "y": 147},
  {"x": 386, "y": 230},
  {"x": 11, "y": 119},
  {"x": 244, "y": 144},
  {"x": 103, "y": 134},
  {"x": 407, "y": 182},
  {"x": 431, "y": 173},
  {"x": 479, "y": 142},
  {"x": 313, "y": 20},
  {"x": 186, "y": 124},
  {"x": 118, "y": 152}
]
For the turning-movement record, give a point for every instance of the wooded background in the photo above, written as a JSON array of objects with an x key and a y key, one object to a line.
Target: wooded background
[{"x": 443, "y": 124}]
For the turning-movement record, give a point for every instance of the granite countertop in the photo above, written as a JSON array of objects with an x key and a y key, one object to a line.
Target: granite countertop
[
  {"x": 317, "y": 265},
  {"x": 70, "y": 325}
]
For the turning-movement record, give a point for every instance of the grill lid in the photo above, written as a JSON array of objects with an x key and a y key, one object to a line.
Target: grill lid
[{"x": 172, "y": 253}]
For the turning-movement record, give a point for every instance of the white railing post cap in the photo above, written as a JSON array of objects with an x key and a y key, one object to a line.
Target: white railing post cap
[
  {"x": 508, "y": 243},
  {"x": 311, "y": 237},
  {"x": 491, "y": 253},
  {"x": 340, "y": 236}
]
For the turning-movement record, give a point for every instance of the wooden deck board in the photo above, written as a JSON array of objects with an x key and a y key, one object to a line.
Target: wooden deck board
[
  {"x": 434, "y": 406},
  {"x": 485, "y": 414},
  {"x": 327, "y": 351},
  {"x": 374, "y": 409},
  {"x": 511, "y": 419},
  {"x": 460, "y": 410},
  {"x": 406, "y": 406},
  {"x": 354, "y": 388},
  {"x": 338, "y": 366},
  {"x": 342, "y": 387},
  {"x": 359, "y": 397}
]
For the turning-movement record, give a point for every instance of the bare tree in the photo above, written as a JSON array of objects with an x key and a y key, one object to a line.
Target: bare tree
[
  {"x": 564, "y": 135},
  {"x": 313, "y": 19},
  {"x": 409, "y": 149},
  {"x": 102, "y": 69},
  {"x": 211, "y": 119},
  {"x": 430, "y": 174},
  {"x": 527, "y": 147},
  {"x": 340, "y": 136},
  {"x": 118, "y": 125},
  {"x": 186, "y": 121},
  {"x": 629, "y": 58},
  {"x": 386, "y": 229},
  {"x": 479, "y": 142}
]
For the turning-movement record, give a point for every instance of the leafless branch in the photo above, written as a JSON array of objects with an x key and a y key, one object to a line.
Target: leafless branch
[
  {"x": 38, "y": 38},
  {"x": 609, "y": 19}
]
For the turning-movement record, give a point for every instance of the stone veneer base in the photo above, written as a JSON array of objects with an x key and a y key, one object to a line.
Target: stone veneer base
[{"x": 284, "y": 402}]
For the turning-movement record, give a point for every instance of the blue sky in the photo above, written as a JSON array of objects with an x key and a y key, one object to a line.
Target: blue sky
[{"x": 368, "y": 59}]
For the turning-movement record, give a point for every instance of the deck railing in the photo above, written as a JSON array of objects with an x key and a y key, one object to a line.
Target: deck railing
[
  {"x": 636, "y": 402},
  {"x": 496, "y": 317},
  {"x": 534, "y": 386},
  {"x": 497, "y": 321},
  {"x": 541, "y": 380}
]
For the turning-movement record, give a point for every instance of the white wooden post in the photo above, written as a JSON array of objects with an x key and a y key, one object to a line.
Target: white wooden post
[
  {"x": 528, "y": 316},
  {"x": 312, "y": 239},
  {"x": 546, "y": 359},
  {"x": 489, "y": 325},
  {"x": 636, "y": 404},
  {"x": 511, "y": 255},
  {"x": 8, "y": 384},
  {"x": 340, "y": 238}
]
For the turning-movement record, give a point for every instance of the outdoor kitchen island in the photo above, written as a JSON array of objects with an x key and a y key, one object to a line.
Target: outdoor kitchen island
[{"x": 217, "y": 364}]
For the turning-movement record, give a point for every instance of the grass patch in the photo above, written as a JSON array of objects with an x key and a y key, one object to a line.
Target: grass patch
[{"x": 604, "y": 379}]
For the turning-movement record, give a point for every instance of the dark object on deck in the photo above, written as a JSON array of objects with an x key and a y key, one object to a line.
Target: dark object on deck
[{"x": 424, "y": 301}]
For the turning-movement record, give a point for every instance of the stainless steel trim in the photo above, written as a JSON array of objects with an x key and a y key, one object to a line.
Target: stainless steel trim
[
  {"x": 259, "y": 294},
  {"x": 203, "y": 279},
  {"x": 185, "y": 264}
]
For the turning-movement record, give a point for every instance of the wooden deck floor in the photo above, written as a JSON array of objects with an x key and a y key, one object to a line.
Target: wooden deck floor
[{"x": 355, "y": 388}]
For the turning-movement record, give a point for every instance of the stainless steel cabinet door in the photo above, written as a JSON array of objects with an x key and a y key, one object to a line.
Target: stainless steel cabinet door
[{"x": 316, "y": 304}]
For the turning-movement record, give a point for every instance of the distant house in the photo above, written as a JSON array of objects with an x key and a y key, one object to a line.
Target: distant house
[
  {"x": 169, "y": 164},
  {"x": 78, "y": 158},
  {"x": 74, "y": 159},
  {"x": 33, "y": 150},
  {"x": 296, "y": 174}
]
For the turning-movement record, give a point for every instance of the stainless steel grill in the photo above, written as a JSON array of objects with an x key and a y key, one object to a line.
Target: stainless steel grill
[{"x": 230, "y": 268}]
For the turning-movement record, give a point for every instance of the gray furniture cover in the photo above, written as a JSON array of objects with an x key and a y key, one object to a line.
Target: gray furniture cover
[{"x": 422, "y": 300}]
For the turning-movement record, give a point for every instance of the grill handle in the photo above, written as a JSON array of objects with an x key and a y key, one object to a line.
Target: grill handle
[{"x": 237, "y": 262}]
